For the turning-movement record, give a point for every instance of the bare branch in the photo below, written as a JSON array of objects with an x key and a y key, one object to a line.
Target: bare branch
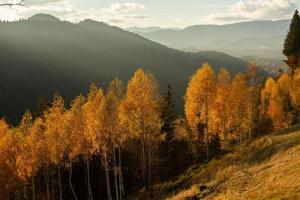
[{"x": 13, "y": 4}]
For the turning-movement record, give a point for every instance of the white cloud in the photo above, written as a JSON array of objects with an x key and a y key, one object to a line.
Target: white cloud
[
  {"x": 254, "y": 10},
  {"x": 116, "y": 13},
  {"x": 125, "y": 7}
]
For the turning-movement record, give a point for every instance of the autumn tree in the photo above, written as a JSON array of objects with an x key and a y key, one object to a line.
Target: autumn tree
[
  {"x": 27, "y": 160},
  {"x": 9, "y": 148},
  {"x": 273, "y": 105},
  {"x": 199, "y": 100},
  {"x": 77, "y": 142},
  {"x": 140, "y": 112},
  {"x": 221, "y": 112},
  {"x": 55, "y": 135},
  {"x": 114, "y": 97},
  {"x": 93, "y": 131},
  {"x": 10, "y": 142},
  {"x": 295, "y": 96},
  {"x": 239, "y": 96}
]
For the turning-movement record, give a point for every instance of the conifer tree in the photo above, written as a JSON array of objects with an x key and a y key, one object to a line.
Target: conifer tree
[
  {"x": 292, "y": 43},
  {"x": 168, "y": 115}
]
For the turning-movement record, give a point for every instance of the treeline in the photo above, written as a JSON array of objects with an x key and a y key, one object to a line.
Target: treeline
[{"x": 134, "y": 135}]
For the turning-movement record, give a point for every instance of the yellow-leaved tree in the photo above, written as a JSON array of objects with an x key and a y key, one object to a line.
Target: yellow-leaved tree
[
  {"x": 221, "y": 112},
  {"x": 56, "y": 135},
  {"x": 199, "y": 100},
  {"x": 75, "y": 132},
  {"x": 93, "y": 129},
  {"x": 239, "y": 96},
  {"x": 273, "y": 105},
  {"x": 295, "y": 95},
  {"x": 114, "y": 97},
  {"x": 140, "y": 113}
]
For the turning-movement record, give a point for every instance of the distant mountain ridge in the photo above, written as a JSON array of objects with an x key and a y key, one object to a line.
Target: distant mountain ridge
[
  {"x": 43, "y": 17},
  {"x": 136, "y": 29},
  {"x": 43, "y": 55},
  {"x": 258, "y": 38}
]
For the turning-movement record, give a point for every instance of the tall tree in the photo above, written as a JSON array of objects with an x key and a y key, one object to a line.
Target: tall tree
[
  {"x": 55, "y": 135},
  {"x": 93, "y": 130},
  {"x": 140, "y": 112},
  {"x": 168, "y": 115},
  {"x": 77, "y": 141},
  {"x": 114, "y": 97},
  {"x": 295, "y": 96},
  {"x": 199, "y": 102},
  {"x": 292, "y": 43},
  {"x": 273, "y": 104},
  {"x": 239, "y": 96},
  {"x": 221, "y": 111}
]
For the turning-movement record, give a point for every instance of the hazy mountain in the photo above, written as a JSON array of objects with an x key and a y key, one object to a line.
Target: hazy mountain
[
  {"x": 42, "y": 55},
  {"x": 271, "y": 65},
  {"x": 136, "y": 29},
  {"x": 258, "y": 38}
]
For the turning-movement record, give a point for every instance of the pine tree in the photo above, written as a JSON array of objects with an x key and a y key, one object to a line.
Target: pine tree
[
  {"x": 292, "y": 43},
  {"x": 168, "y": 115}
]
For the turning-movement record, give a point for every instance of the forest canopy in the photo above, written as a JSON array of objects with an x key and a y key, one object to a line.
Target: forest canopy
[{"x": 133, "y": 138}]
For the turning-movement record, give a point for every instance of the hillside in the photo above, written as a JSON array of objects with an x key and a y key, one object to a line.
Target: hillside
[
  {"x": 43, "y": 55},
  {"x": 258, "y": 38},
  {"x": 267, "y": 168},
  {"x": 271, "y": 65}
]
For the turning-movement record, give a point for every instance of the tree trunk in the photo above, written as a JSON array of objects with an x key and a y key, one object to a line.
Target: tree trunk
[
  {"x": 206, "y": 126},
  {"x": 33, "y": 188},
  {"x": 70, "y": 181},
  {"x": 149, "y": 164},
  {"x": 115, "y": 172},
  {"x": 25, "y": 194},
  {"x": 59, "y": 182},
  {"x": 121, "y": 185},
  {"x": 46, "y": 174},
  {"x": 89, "y": 179},
  {"x": 107, "y": 176}
]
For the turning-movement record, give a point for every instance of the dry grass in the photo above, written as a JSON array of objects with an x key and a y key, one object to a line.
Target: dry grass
[
  {"x": 267, "y": 168},
  {"x": 185, "y": 193}
]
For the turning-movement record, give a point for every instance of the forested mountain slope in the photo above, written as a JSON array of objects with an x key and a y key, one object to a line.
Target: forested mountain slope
[{"x": 43, "y": 55}]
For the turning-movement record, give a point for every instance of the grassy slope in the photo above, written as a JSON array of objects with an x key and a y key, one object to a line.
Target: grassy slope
[{"x": 267, "y": 168}]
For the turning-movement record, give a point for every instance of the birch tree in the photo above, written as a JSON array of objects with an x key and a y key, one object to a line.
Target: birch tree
[
  {"x": 199, "y": 99},
  {"x": 140, "y": 113}
]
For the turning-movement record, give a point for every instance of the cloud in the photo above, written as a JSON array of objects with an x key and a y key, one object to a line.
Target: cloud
[
  {"x": 125, "y": 7},
  {"x": 137, "y": 17},
  {"x": 116, "y": 13},
  {"x": 254, "y": 10}
]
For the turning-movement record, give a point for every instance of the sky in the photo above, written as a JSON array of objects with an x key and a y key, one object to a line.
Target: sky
[{"x": 162, "y": 13}]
